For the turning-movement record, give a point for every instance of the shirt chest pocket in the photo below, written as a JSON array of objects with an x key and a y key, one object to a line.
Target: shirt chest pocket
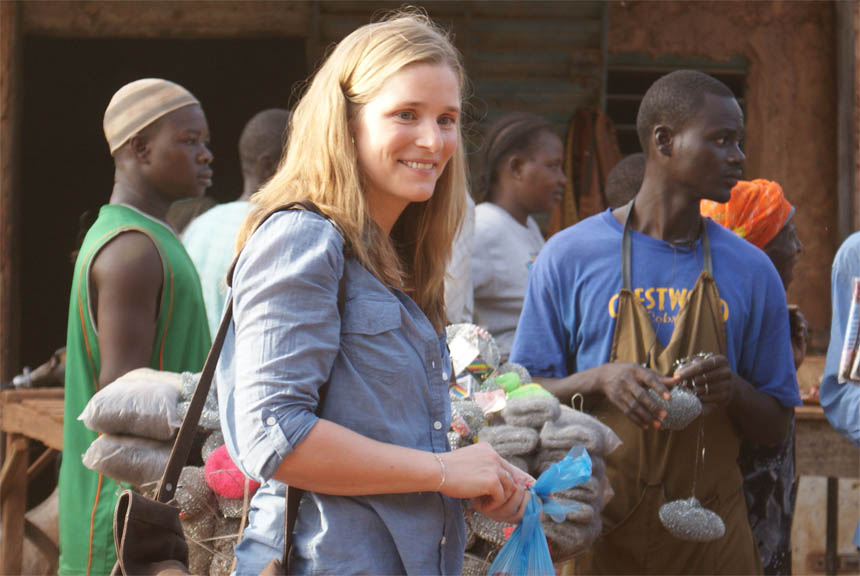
[{"x": 371, "y": 338}]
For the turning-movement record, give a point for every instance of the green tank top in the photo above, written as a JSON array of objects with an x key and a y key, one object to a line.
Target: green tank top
[{"x": 182, "y": 341}]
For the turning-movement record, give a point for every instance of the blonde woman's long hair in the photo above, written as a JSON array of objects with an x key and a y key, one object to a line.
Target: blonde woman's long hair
[{"x": 320, "y": 162}]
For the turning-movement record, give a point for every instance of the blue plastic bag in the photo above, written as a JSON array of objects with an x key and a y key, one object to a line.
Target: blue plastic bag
[{"x": 526, "y": 552}]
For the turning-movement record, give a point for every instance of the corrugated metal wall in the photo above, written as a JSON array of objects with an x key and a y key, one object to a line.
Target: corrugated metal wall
[{"x": 547, "y": 58}]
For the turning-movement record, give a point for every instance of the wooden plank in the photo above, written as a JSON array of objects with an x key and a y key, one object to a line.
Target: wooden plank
[
  {"x": 162, "y": 19},
  {"x": 820, "y": 450},
  {"x": 528, "y": 64},
  {"x": 638, "y": 61},
  {"x": 515, "y": 35},
  {"x": 34, "y": 417},
  {"x": 13, "y": 501},
  {"x": 810, "y": 412},
  {"x": 507, "y": 9},
  {"x": 491, "y": 33},
  {"x": 45, "y": 458},
  {"x": 23, "y": 394}
]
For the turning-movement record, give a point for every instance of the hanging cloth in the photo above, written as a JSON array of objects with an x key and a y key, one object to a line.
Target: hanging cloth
[{"x": 590, "y": 152}]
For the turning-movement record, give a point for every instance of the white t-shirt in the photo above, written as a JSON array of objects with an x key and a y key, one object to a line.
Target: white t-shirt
[
  {"x": 458, "y": 280},
  {"x": 504, "y": 251}
]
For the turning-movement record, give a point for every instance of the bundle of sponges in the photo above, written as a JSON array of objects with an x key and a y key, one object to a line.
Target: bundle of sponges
[
  {"x": 582, "y": 526},
  {"x": 528, "y": 427},
  {"x": 210, "y": 418},
  {"x": 212, "y": 502},
  {"x": 228, "y": 483},
  {"x": 537, "y": 432},
  {"x": 515, "y": 437},
  {"x": 467, "y": 421},
  {"x": 516, "y": 444},
  {"x": 531, "y": 411},
  {"x": 226, "y": 535},
  {"x": 136, "y": 417},
  {"x": 198, "y": 515}
]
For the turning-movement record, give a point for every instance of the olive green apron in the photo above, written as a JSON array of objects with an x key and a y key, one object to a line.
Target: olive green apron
[{"x": 653, "y": 467}]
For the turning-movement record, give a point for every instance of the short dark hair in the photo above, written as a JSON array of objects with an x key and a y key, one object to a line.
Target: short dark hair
[
  {"x": 510, "y": 134},
  {"x": 625, "y": 180},
  {"x": 673, "y": 99},
  {"x": 265, "y": 133}
]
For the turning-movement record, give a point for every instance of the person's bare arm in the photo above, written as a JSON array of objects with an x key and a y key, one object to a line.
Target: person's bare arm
[
  {"x": 126, "y": 280},
  {"x": 334, "y": 460},
  {"x": 799, "y": 334},
  {"x": 624, "y": 384},
  {"x": 758, "y": 416}
]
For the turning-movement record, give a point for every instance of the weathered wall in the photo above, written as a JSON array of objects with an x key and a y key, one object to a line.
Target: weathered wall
[
  {"x": 544, "y": 56},
  {"x": 790, "y": 104}
]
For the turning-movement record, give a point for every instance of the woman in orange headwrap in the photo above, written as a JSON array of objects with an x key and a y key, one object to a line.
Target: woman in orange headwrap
[{"x": 759, "y": 212}]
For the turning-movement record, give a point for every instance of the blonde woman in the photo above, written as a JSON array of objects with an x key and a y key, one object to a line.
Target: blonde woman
[{"x": 359, "y": 305}]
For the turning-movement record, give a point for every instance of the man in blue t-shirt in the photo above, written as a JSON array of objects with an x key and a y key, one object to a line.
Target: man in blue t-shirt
[{"x": 692, "y": 286}]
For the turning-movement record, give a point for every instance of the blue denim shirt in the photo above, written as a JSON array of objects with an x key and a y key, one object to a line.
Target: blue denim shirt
[{"x": 387, "y": 370}]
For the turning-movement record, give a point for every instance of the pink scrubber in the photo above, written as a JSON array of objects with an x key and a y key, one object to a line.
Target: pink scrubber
[{"x": 224, "y": 477}]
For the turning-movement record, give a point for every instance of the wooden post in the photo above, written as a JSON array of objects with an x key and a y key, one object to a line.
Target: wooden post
[
  {"x": 10, "y": 120},
  {"x": 13, "y": 502},
  {"x": 831, "y": 546},
  {"x": 846, "y": 137}
]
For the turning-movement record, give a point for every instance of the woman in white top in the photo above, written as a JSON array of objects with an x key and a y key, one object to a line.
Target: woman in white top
[{"x": 521, "y": 174}]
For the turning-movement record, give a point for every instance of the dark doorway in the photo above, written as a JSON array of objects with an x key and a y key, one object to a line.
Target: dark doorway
[{"x": 66, "y": 168}]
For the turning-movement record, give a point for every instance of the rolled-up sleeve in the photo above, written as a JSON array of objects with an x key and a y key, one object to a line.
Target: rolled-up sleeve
[{"x": 287, "y": 335}]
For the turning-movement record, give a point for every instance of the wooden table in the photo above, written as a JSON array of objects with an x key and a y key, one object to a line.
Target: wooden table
[
  {"x": 25, "y": 414},
  {"x": 819, "y": 450}
]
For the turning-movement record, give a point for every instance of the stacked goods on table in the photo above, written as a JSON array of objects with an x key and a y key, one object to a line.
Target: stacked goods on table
[
  {"x": 137, "y": 417},
  {"x": 528, "y": 427}
]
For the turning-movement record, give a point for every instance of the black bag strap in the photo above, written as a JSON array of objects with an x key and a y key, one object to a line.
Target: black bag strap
[{"x": 185, "y": 437}]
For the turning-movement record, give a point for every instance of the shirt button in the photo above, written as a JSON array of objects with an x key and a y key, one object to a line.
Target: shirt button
[
  {"x": 270, "y": 420},
  {"x": 437, "y": 425},
  {"x": 432, "y": 363},
  {"x": 443, "y": 541}
]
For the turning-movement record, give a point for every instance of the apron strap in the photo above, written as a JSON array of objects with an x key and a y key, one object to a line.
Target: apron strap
[
  {"x": 706, "y": 251},
  {"x": 627, "y": 250}
]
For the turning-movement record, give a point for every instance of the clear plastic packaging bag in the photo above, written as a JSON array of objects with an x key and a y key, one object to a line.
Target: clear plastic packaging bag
[
  {"x": 138, "y": 461},
  {"x": 140, "y": 403},
  {"x": 526, "y": 551}
]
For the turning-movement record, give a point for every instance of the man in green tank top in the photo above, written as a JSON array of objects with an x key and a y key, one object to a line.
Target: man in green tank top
[{"x": 135, "y": 299}]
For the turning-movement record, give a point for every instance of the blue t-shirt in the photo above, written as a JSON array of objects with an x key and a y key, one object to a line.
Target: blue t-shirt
[{"x": 568, "y": 318}]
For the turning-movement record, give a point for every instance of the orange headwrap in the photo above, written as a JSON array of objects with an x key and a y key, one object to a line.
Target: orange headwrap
[{"x": 757, "y": 211}]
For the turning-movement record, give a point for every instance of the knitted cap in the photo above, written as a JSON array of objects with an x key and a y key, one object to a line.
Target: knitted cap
[{"x": 140, "y": 103}]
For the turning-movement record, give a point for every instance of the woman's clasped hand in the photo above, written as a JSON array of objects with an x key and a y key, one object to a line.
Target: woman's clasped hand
[{"x": 498, "y": 489}]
